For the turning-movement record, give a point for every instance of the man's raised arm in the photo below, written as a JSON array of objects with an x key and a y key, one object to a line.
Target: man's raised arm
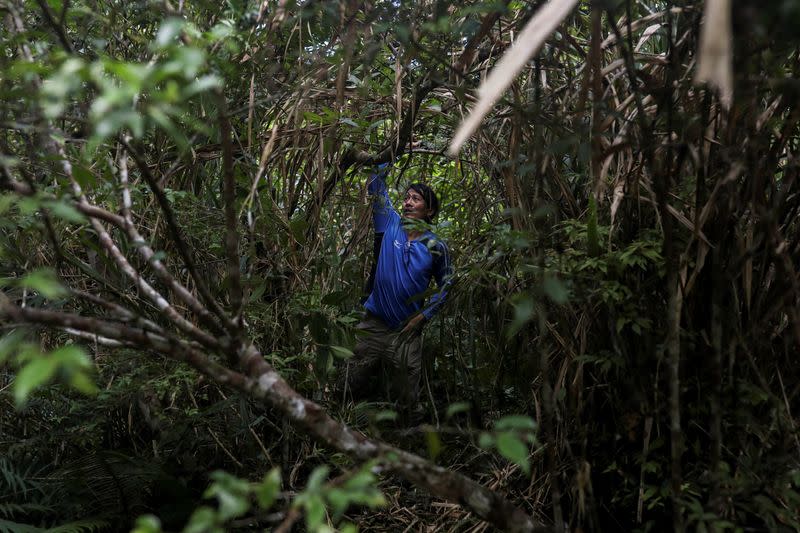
[{"x": 382, "y": 209}]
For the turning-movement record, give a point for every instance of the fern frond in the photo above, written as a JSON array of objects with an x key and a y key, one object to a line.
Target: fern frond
[
  {"x": 7, "y": 526},
  {"x": 9, "y": 509}
]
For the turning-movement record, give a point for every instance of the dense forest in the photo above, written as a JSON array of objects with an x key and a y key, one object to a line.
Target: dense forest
[{"x": 185, "y": 237}]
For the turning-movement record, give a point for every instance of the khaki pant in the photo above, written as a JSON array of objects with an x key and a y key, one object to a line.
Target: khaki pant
[{"x": 384, "y": 361}]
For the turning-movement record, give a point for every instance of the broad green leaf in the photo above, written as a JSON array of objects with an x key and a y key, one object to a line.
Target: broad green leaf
[
  {"x": 434, "y": 444},
  {"x": 72, "y": 357},
  {"x": 232, "y": 493},
  {"x": 203, "y": 520},
  {"x": 168, "y": 31},
  {"x": 114, "y": 121},
  {"x": 515, "y": 422},
  {"x": 201, "y": 85},
  {"x": 523, "y": 312},
  {"x": 147, "y": 524},
  {"x": 267, "y": 491},
  {"x": 317, "y": 478},
  {"x": 555, "y": 290},
  {"x": 455, "y": 408},
  {"x": 33, "y": 375},
  {"x": 339, "y": 500},
  {"x": 81, "y": 383},
  {"x": 188, "y": 61},
  {"x": 512, "y": 448},
  {"x": 315, "y": 512},
  {"x": 131, "y": 74},
  {"x": 83, "y": 176}
]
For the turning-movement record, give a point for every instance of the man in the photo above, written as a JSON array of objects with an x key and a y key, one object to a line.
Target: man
[{"x": 408, "y": 256}]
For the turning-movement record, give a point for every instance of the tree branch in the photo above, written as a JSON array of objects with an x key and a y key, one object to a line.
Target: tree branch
[
  {"x": 57, "y": 28},
  {"x": 177, "y": 237}
]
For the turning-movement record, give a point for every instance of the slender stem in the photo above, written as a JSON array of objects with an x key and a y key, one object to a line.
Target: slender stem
[{"x": 229, "y": 197}]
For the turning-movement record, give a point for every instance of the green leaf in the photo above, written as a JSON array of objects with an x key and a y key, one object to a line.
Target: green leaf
[
  {"x": 162, "y": 119},
  {"x": 81, "y": 383},
  {"x": 9, "y": 344},
  {"x": 523, "y": 312},
  {"x": 385, "y": 414},
  {"x": 66, "y": 212},
  {"x": 72, "y": 357},
  {"x": 84, "y": 177},
  {"x": 513, "y": 449},
  {"x": 32, "y": 376},
  {"x": 338, "y": 500},
  {"x": 201, "y": 85},
  {"x": 147, "y": 524},
  {"x": 44, "y": 282},
  {"x": 267, "y": 491},
  {"x": 232, "y": 493},
  {"x": 203, "y": 520},
  {"x": 515, "y": 422},
  {"x": 555, "y": 290},
  {"x": 455, "y": 408},
  {"x": 188, "y": 61},
  {"x": 168, "y": 31},
  {"x": 317, "y": 477},
  {"x": 315, "y": 512},
  {"x": 132, "y": 75},
  {"x": 485, "y": 440},
  {"x": 313, "y": 117},
  {"x": 434, "y": 444},
  {"x": 341, "y": 352}
]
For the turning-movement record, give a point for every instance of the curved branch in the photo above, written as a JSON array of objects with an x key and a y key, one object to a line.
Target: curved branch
[{"x": 260, "y": 381}]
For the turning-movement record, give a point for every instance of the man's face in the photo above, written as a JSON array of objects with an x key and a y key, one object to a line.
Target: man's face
[{"x": 414, "y": 206}]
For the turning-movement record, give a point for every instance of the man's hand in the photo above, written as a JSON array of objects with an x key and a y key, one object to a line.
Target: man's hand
[{"x": 414, "y": 323}]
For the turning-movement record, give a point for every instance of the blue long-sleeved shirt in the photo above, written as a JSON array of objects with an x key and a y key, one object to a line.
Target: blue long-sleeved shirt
[{"x": 404, "y": 268}]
